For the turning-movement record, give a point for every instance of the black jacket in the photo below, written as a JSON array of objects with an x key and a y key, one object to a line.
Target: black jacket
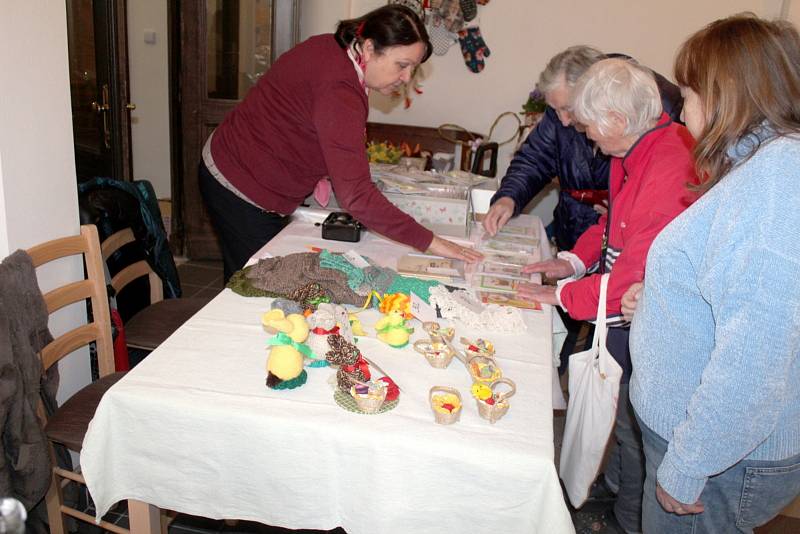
[
  {"x": 24, "y": 456},
  {"x": 553, "y": 150}
]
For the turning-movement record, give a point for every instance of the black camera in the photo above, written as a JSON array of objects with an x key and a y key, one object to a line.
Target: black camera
[{"x": 340, "y": 226}]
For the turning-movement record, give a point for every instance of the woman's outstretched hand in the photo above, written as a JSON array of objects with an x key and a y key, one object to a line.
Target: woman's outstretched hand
[{"x": 448, "y": 249}]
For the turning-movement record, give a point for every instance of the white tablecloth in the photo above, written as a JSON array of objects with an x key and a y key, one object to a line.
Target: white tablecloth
[{"x": 194, "y": 429}]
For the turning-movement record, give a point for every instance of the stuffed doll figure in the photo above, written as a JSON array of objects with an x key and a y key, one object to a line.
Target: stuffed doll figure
[
  {"x": 322, "y": 324},
  {"x": 392, "y": 329},
  {"x": 287, "y": 349}
]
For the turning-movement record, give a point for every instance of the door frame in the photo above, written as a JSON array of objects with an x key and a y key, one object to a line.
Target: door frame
[{"x": 122, "y": 161}]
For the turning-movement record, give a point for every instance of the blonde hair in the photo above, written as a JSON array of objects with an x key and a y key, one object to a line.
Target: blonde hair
[
  {"x": 746, "y": 72},
  {"x": 617, "y": 86}
]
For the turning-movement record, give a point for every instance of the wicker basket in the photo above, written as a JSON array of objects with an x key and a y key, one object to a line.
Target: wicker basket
[
  {"x": 476, "y": 363},
  {"x": 437, "y": 333},
  {"x": 438, "y": 354},
  {"x": 487, "y": 352},
  {"x": 445, "y": 418},
  {"x": 370, "y": 404},
  {"x": 493, "y": 412}
]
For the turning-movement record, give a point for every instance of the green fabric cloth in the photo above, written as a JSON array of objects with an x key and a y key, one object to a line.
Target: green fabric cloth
[
  {"x": 241, "y": 285},
  {"x": 374, "y": 278}
]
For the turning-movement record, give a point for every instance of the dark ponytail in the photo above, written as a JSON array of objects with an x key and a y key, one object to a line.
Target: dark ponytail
[{"x": 390, "y": 25}]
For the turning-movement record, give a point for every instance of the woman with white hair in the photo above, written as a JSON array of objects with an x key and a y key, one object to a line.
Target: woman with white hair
[{"x": 618, "y": 103}]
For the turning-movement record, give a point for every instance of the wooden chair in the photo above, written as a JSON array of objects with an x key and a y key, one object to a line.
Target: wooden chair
[
  {"x": 149, "y": 327},
  {"x": 793, "y": 510},
  {"x": 431, "y": 139},
  {"x": 68, "y": 425}
]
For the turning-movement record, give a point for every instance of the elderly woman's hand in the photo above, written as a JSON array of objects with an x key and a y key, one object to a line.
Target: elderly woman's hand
[
  {"x": 555, "y": 269},
  {"x": 543, "y": 294},
  {"x": 631, "y": 299},
  {"x": 448, "y": 249},
  {"x": 498, "y": 215}
]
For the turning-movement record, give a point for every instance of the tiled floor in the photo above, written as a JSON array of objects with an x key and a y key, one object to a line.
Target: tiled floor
[{"x": 200, "y": 278}]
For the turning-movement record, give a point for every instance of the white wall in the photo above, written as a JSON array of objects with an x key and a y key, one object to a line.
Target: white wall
[
  {"x": 522, "y": 36},
  {"x": 38, "y": 188},
  {"x": 149, "y": 87}
]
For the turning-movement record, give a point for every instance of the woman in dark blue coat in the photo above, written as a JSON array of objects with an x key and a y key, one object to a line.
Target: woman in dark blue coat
[{"x": 556, "y": 148}]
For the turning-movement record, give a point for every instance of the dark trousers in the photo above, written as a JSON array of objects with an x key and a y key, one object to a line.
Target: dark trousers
[
  {"x": 571, "y": 345},
  {"x": 241, "y": 228},
  {"x": 626, "y": 465}
]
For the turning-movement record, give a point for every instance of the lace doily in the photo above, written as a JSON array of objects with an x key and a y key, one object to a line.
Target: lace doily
[{"x": 460, "y": 305}]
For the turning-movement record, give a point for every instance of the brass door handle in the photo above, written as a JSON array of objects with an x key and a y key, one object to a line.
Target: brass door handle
[
  {"x": 130, "y": 106},
  {"x": 103, "y": 109}
]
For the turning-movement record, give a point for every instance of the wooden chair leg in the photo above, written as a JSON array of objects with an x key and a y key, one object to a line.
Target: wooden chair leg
[
  {"x": 144, "y": 518},
  {"x": 53, "y": 499},
  {"x": 167, "y": 517}
]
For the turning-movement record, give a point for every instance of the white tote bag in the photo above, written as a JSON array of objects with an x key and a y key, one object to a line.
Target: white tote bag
[{"x": 594, "y": 378}]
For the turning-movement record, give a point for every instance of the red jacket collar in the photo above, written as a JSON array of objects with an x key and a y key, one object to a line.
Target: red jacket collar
[{"x": 647, "y": 139}]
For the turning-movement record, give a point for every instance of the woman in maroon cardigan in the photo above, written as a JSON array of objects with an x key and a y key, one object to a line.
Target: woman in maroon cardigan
[{"x": 305, "y": 120}]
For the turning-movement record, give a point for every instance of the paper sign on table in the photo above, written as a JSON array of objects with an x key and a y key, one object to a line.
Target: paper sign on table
[{"x": 421, "y": 309}]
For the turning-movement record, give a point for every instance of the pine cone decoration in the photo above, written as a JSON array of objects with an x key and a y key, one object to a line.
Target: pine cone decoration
[
  {"x": 308, "y": 295},
  {"x": 342, "y": 351},
  {"x": 343, "y": 378}
]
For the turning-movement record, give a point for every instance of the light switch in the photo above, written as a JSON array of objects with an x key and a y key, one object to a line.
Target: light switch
[{"x": 150, "y": 36}]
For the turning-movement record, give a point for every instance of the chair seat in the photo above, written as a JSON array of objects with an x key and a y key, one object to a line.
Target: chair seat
[
  {"x": 69, "y": 424},
  {"x": 155, "y": 323}
]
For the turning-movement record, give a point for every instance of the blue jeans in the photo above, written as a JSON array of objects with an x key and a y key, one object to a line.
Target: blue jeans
[{"x": 746, "y": 495}]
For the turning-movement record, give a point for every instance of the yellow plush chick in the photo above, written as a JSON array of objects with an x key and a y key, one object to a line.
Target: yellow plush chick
[
  {"x": 392, "y": 329},
  {"x": 355, "y": 325},
  {"x": 299, "y": 332},
  {"x": 285, "y": 361},
  {"x": 275, "y": 320}
]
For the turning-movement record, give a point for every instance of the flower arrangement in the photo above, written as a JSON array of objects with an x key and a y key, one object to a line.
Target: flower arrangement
[
  {"x": 535, "y": 103},
  {"x": 387, "y": 152},
  {"x": 383, "y": 152}
]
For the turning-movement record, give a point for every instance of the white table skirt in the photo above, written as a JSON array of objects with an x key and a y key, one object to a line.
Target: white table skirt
[{"x": 194, "y": 429}]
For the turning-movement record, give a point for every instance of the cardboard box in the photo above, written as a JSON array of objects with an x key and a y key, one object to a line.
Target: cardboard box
[{"x": 442, "y": 216}]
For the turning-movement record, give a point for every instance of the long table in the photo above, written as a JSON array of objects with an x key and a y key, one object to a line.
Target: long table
[{"x": 194, "y": 429}]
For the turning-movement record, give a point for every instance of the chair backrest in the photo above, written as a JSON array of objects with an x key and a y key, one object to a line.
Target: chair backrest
[
  {"x": 133, "y": 271},
  {"x": 93, "y": 287}
]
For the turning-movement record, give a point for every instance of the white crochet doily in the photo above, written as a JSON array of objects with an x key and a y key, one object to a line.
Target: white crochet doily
[{"x": 462, "y": 306}]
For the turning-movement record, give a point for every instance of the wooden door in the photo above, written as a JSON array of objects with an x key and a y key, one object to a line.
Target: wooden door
[
  {"x": 98, "y": 73},
  {"x": 226, "y": 45}
]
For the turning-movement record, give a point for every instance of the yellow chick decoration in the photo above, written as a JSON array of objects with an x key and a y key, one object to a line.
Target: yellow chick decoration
[
  {"x": 396, "y": 302},
  {"x": 287, "y": 348},
  {"x": 392, "y": 329},
  {"x": 355, "y": 325}
]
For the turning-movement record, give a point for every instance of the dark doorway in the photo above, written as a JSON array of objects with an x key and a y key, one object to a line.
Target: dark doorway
[
  {"x": 225, "y": 45},
  {"x": 98, "y": 73}
]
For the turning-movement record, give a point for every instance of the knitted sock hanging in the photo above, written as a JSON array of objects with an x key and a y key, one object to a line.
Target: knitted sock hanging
[
  {"x": 469, "y": 8},
  {"x": 474, "y": 48}
]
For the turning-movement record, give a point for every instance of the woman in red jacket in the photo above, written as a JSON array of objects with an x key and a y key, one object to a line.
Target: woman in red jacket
[
  {"x": 618, "y": 103},
  {"x": 306, "y": 120}
]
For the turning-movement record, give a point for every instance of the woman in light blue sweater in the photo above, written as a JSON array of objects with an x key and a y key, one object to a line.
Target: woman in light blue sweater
[{"x": 715, "y": 338}]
